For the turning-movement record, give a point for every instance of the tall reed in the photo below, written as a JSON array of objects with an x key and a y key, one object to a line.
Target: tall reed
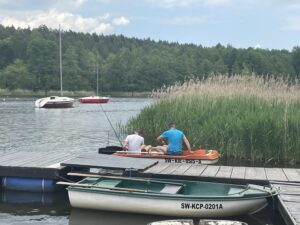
[{"x": 244, "y": 117}]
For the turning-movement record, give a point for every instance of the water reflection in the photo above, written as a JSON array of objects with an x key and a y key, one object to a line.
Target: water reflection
[
  {"x": 93, "y": 217},
  {"x": 32, "y": 203},
  {"x": 24, "y": 208}
]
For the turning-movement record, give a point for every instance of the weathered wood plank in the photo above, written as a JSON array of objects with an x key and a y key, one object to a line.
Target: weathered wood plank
[
  {"x": 52, "y": 160},
  {"x": 34, "y": 158},
  {"x": 195, "y": 170},
  {"x": 289, "y": 188},
  {"x": 6, "y": 154},
  {"x": 22, "y": 158},
  {"x": 292, "y": 174},
  {"x": 290, "y": 199},
  {"x": 95, "y": 160},
  {"x": 224, "y": 172},
  {"x": 172, "y": 167},
  {"x": 210, "y": 171},
  {"x": 275, "y": 174},
  {"x": 238, "y": 172},
  {"x": 181, "y": 169},
  {"x": 255, "y": 173},
  {"x": 7, "y": 158},
  {"x": 157, "y": 168}
]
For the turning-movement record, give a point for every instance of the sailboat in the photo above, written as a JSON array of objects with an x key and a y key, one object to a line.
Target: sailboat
[
  {"x": 56, "y": 101},
  {"x": 94, "y": 99}
]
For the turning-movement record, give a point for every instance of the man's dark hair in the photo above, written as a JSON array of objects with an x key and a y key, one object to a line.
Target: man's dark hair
[
  {"x": 140, "y": 132},
  {"x": 171, "y": 125}
]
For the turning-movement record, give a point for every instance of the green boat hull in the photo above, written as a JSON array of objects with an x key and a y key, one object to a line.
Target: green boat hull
[{"x": 164, "y": 197}]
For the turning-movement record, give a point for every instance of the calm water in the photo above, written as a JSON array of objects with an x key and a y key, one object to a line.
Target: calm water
[{"x": 83, "y": 128}]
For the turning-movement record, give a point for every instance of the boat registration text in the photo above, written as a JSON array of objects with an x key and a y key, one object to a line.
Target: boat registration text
[
  {"x": 190, "y": 161},
  {"x": 208, "y": 206}
]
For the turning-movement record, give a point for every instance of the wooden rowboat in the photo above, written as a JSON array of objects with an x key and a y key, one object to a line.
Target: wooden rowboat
[
  {"x": 200, "y": 156},
  {"x": 167, "y": 197}
]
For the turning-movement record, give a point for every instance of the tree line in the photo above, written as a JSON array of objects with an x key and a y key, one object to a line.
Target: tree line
[{"x": 29, "y": 59}]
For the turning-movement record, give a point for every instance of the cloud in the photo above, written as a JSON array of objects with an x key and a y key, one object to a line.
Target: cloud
[
  {"x": 120, "y": 21},
  {"x": 53, "y": 18},
  {"x": 180, "y": 3},
  {"x": 257, "y": 46}
]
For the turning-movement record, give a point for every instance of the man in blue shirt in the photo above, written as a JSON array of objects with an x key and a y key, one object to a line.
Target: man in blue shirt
[{"x": 175, "y": 139}]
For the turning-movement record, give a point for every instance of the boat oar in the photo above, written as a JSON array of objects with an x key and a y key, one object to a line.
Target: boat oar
[
  {"x": 103, "y": 187},
  {"x": 123, "y": 178}
]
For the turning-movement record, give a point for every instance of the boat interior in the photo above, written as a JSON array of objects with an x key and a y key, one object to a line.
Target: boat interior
[{"x": 179, "y": 187}]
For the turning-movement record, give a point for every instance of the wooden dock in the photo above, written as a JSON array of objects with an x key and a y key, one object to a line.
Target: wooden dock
[
  {"x": 287, "y": 179},
  {"x": 56, "y": 165},
  {"x": 33, "y": 164}
]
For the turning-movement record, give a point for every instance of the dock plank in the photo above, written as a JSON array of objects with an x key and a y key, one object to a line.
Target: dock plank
[
  {"x": 292, "y": 174},
  {"x": 275, "y": 174},
  {"x": 23, "y": 159},
  {"x": 224, "y": 172},
  {"x": 27, "y": 159},
  {"x": 59, "y": 158},
  {"x": 92, "y": 160},
  {"x": 170, "y": 169},
  {"x": 238, "y": 172},
  {"x": 157, "y": 168},
  {"x": 210, "y": 171},
  {"x": 181, "y": 169},
  {"x": 195, "y": 170},
  {"x": 11, "y": 157},
  {"x": 255, "y": 173}
]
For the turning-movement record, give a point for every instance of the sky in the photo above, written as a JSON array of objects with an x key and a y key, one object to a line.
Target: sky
[{"x": 267, "y": 24}]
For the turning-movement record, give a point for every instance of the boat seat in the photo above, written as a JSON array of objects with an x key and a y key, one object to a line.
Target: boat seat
[
  {"x": 171, "y": 189},
  {"x": 109, "y": 183}
]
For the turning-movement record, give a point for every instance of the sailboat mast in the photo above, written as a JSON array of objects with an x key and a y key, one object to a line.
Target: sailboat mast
[
  {"x": 97, "y": 71},
  {"x": 60, "y": 63}
]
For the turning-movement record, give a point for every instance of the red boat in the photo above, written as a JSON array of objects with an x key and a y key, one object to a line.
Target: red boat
[
  {"x": 200, "y": 156},
  {"x": 94, "y": 99}
]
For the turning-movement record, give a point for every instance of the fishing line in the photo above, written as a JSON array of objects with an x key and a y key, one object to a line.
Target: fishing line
[{"x": 111, "y": 124}]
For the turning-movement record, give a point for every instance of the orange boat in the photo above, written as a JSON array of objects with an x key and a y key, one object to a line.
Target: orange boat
[{"x": 200, "y": 156}]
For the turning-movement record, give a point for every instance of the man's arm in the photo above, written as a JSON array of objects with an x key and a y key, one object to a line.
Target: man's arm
[
  {"x": 161, "y": 138},
  {"x": 125, "y": 145},
  {"x": 187, "y": 143}
]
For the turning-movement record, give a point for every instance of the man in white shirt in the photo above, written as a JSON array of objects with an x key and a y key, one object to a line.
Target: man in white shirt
[{"x": 134, "y": 143}]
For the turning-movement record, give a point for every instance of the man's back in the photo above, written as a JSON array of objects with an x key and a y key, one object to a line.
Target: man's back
[
  {"x": 174, "y": 138},
  {"x": 135, "y": 143}
]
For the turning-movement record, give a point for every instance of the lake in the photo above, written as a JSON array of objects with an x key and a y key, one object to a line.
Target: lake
[{"x": 83, "y": 128}]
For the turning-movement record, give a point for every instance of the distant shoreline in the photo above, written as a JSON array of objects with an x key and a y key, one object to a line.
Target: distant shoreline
[{"x": 75, "y": 94}]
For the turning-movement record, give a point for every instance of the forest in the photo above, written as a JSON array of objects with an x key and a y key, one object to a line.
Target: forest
[{"x": 29, "y": 60}]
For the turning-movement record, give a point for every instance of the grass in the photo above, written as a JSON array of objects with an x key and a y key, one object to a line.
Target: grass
[{"x": 244, "y": 117}]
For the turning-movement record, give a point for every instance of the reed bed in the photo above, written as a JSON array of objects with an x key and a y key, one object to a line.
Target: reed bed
[{"x": 244, "y": 117}]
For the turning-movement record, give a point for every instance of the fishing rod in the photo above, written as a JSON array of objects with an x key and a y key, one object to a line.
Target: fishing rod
[
  {"x": 102, "y": 107},
  {"x": 111, "y": 125}
]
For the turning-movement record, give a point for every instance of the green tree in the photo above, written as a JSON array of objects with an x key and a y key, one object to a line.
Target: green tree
[
  {"x": 296, "y": 60},
  {"x": 16, "y": 75},
  {"x": 43, "y": 60}
]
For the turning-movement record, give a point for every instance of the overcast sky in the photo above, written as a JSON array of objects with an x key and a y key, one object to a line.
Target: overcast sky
[{"x": 272, "y": 24}]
